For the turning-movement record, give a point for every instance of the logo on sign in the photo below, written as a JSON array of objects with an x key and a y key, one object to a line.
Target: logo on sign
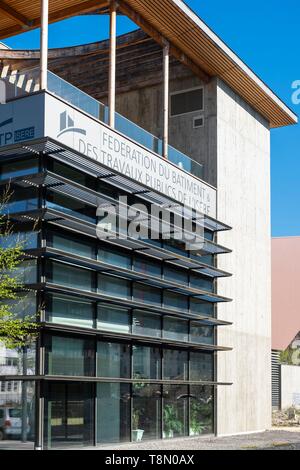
[
  {"x": 9, "y": 137},
  {"x": 67, "y": 125}
]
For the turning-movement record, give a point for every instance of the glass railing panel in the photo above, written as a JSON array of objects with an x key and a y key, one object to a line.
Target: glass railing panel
[
  {"x": 27, "y": 82},
  {"x": 73, "y": 95},
  {"x": 136, "y": 133},
  {"x": 185, "y": 163}
]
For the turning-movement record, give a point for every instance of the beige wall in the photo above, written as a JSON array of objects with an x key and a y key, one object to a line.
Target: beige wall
[
  {"x": 290, "y": 386},
  {"x": 244, "y": 203}
]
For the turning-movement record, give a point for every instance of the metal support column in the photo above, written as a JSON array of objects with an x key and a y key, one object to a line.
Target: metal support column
[
  {"x": 166, "y": 67},
  {"x": 44, "y": 44},
  {"x": 112, "y": 63}
]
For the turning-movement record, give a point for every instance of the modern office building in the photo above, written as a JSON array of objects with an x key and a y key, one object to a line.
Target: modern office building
[
  {"x": 140, "y": 338},
  {"x": 285, "y": 322}
]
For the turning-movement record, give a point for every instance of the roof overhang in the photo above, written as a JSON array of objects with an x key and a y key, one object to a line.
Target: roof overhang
[{"x": 184, "y": 30}]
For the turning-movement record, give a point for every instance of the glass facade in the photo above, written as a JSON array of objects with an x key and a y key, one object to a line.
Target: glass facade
[
  {"x": 124, "y": 348},
  {"x": 67, "y": 310},
  {"x": 17, "y": 410},
  {"x": 113, "y": 412},
  {"x": 113, "y": 360},
  {"x": 68, "y": 415},
  {"x": 175, "y": 411},
  {"x": 69, "y": 356},
  {"x": 113, "y": 319}
]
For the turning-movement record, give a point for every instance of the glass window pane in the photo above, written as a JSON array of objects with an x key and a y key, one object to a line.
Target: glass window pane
[
  {"x": 202, "y": 308},
  {"x": 208, "y": 235},
  {"x": 114, "y": 286},
  {"x": 70, "y": 276},
  {"x": 175, "y": 411},
  {"x": 208, "y": 259},
  {"x": 146, "y": 362},
  {"x": 28, "y": 240},
  {"x": 175, "y": 365},
  {"x": 145, "y": 324},
  {"x": 113, "y": 412},
  {"x": 147, "y": 266},
  {"x": 201, "y": 410},
  {"x": 146, "y": 412},
  {"x": 69, "y": 414},
  {"x": 18, "y": 406},
  {"x": 22, "y": 200},
  {"x": 114, "y": 319},
  {"x": 26, "y": 272},
  {"x": 201, "y": 366},
  {"x": 113, "y": 360},
  {"x": 147, "y": 294},
  {"x": 114, "y": 258},
  {"x": 176, "y": 329},
  {"x": 24, "y": 305},
  {"x": 72, "y": 207},
  {"x": 72, "y": 174},
  {"x": 176, "y": 275},
  {"x": 69, "y": 356},
  {"x": 13, "y": 169},
  {"x": 70, "y": 311},
  {"x": 201, "y": 283},
  {"x": 175, "y": 301},
  {"x": 201, "y": 334},
  {"x": 70, "y": 245},
  {"x": 17, "y": 361}
]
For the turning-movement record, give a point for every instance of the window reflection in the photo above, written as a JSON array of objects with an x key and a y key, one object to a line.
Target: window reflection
[
  {"x": 146, "y": 412},
  {"x": 146, "y": 362},
  {"x": 201, "y": 410},
  {"x": 69, "y": 356},
  {"x": 113, "y": 319},
  {"x": 175, "y": 411},
  {"x": 113, "y": 360},
  {"x": 175, "y": 366},
  {"x": 113, "y": 412}
]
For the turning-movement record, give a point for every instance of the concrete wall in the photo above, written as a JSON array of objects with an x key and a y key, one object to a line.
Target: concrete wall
[
  {"x": 199, "y": 144},
  {"x": 290, "y": 386},
  {"x": 243, "y": 164}
]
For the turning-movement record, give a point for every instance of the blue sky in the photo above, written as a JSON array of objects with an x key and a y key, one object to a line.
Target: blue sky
[{"x": 265, "y": 34}]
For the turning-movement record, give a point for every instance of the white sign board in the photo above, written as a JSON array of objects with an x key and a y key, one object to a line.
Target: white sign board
[{"x": 43, "y": 115}]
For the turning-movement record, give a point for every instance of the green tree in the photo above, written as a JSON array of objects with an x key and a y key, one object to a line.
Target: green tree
[{"x": 15, "y": 332}]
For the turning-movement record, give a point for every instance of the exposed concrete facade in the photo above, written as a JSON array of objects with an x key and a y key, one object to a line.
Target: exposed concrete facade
[
  {"x": 243, "y": 167},
  {"x": 144, "y": 107},
  {"x": 290, "y": 386},
  {"x": 234, "y": 147}
]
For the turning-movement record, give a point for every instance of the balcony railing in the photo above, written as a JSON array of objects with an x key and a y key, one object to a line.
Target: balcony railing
[{"x": 27, "y": 82}]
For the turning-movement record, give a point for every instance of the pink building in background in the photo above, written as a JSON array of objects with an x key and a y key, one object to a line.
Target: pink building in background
[
  {"x": 285, "y": 291},
  {"x": 285, "y": 322}
]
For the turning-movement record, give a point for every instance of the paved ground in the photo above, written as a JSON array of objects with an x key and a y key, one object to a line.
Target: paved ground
[{"x": 270, "y": 440}]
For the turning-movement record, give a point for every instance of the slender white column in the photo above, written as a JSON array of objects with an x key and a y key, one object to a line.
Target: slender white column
[
  {"x": 112, "y": 63},
  {"x": 166, "y": 67},
  {"x": 44, "y": 44}
]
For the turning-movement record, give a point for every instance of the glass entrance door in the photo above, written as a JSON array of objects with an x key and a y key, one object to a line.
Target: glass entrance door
[{"x": 69, "y": 415}]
